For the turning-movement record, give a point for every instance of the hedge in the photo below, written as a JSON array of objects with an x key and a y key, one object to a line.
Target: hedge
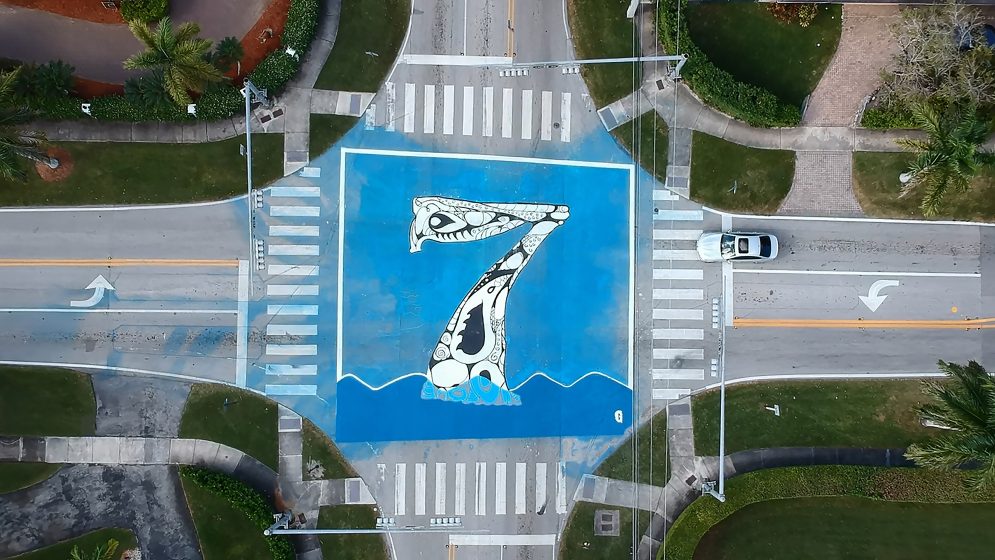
[
  {"x": 244, "y": 499},
  {"x": 887, "y": 116},
  {"x": 716, "y": 87},
  {"x": 219, "y": 101},
  {"x": 144, "y": 10},
  {"x": 890, "y": 484}
]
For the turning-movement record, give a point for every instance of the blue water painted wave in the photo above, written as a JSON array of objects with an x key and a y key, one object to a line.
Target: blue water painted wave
[
  {"x": 476, "y": 390},
  {"x": 593, "y": 406}
]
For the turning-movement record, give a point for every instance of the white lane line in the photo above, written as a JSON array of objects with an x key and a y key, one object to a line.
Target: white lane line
[
  {"x": 440, "y": 488},
  {"x": 678, "y": 293},
  {"x": 291, "y": 330},
  {"x": 242, "y": 324},
  {"x": 291, "y": 309},
  {"x": 680, "y": 215},
  {"x": 675, "y": 255},
  {"x": 448, "y": 108},
  {"x": 678, "y": 314},
  {"x": 506, "y": 113},
  {"x": 391, "y": 95},
  {"x": 526, "y": 114},
  {"x": 295, "y": 211},
  {"x": 292, "y": 250},
  {"x": 419, "y": 488},
  {"x": 748, "y": 270},
  {"x": 291, "y": 349},
  {"x": 429, "y": 120},
  {"x": 292, "y": 290},
  {"x": 685, "y": 373},
  {"x": 501, "y": 488},
  {"x": 670, "y": 394},
  {"x": 400, "y": 482},
  {"x": 678, "y": 274},
  {"x": 292, "y": 270},
  {"x": 678, "y": 354},
  {"x": 678, "y": 334},
  {"x": 565, "y": 117},
  {"x": 109, "y": 311},
  {"x": 291, "y": 390},
  {"x": 540, "y": 486},
  {"x": 467, "y": 110},
  {"x": 480, "y": 496},
  {"x": 677, "y": 234},
  {"x": 284, "y": 369},
  {"x": 520, "y": 482},
  {"x": 453, "y": 60},
  {"x": 291, "y": 231},
  {"x": 409, "y": 108},
  {"x": 546, "y": 116},
  {"x": 463, "y": 539},
  {"x": 487, "y": 110},
  {"x": 561, "y": 487},
  {"x": 303, "y": 192},
  {"x": 459, "y": 499}
]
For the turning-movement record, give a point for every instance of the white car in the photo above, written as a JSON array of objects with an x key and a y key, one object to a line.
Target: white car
[{"x": 734, "y": 246}]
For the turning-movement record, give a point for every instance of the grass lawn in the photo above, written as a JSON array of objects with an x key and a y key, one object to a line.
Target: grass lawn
[
  {"x": 86, "y": 543},
  {"x": 375, "y": 26},
  {"x": 650, "y": 448},
  {"x": 580, "y": 543},
  {"x": 351, "y": 547},
  {"x": 248, "y": 423},
  {"x": 326, "y": 130},
  {"x": 744, "y": 39},
  {"x": 139, "y": 173},
  {"x": 318, "y": 446},
  {"x": 869, "y": 413},
  {"x": 649, "y": 135},
  {"x": 39, "y": 401},
  {"x": 600, "y": 30},
  {"x": 762, "y": 177},
  {"x": 848, "y": 528},
  {"x": 223, "y": 531},
  {"x": 875, "y": 182}
]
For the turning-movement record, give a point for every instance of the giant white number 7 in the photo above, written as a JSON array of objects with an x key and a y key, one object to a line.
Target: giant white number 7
[{"x": 473, "y": 344}]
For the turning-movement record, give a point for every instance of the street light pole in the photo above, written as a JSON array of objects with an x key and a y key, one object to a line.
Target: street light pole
[
  {"x": 709, "y": 487},
  {"x": 250, "y": 92}
]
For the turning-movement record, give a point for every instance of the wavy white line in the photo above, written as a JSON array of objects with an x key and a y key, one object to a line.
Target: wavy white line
[{"x": 512, "y": 389}]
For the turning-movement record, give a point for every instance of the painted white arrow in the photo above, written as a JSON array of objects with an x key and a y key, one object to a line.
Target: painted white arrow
[
  {"x": 873, "y": 300},
  {"x": 99, "y": 285}
]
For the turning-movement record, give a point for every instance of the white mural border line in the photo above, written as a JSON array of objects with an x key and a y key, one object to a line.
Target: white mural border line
[{"x": 630, "y": 167}]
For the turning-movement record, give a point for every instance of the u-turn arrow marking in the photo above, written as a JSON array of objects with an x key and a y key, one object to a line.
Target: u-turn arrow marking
[
  {"x": 873, "y": 300},
  {"x": 99, "y": 285}
]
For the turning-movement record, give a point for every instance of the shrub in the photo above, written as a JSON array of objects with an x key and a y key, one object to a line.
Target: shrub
[
  {"x": 148, "y": 92},
  {"x": 274, "y": 71},
  {"x": 244, "y": 499},
  {"x": 144, "y": 10},
  {"x": 807, "y": 13},
  {"x": 219, "y": 101},
  {"x": 302, "y": 21},
  {"x": 54, "y": 79},
  {"x": 887, "y": 116}
]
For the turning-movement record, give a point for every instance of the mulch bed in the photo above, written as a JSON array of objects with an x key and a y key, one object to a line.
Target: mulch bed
[
  {"x": 263, "y": 38},
  {"x": 64, "y": 170},
  {"x": 88, "y": 89},
  {"x": 89, "y": 10}
]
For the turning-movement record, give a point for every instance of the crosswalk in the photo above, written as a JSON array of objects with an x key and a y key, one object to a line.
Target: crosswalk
[
  {"x": 290, "y": 351},
  {"x": 471, "y": 489},
  {"x": 486, "y": 111}
]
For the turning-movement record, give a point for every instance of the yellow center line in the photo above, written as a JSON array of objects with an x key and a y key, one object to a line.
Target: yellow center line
[
  {"x": 980, "y": 323},
  {"x": 511, "y": 29},
  {"x": 112, "y": 262}
]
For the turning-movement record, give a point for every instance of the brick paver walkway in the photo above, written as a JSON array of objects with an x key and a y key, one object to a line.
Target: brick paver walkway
[{"x": 822, "y": 186}]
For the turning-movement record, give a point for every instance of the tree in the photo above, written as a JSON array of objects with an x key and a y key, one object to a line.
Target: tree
[
  {"x": 227, "y": 52},
  {"x": 964, "y": 403},
  {"x": 102, "y": 552},
  {"x": 951, "y": 155},
  {"x": 149, "y": 91},
  {"x": 15, "y": 142},
  {"x": 180, "y": 56}
]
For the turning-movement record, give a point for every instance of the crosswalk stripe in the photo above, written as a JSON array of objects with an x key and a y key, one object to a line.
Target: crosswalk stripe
[
  {"x": 670, "y": 394},
  {"x": 291, "y": 349},
  {"x": 292, "y": 250},
  {"x": 678, "y": 334},
  {"x": 419, "y": 488},
  {"x": 291, "y": 330},
  {"x": 291, "y": 309},
  {"x": 292, "y": 231},
  {"x": 409, "y": 108},
  {"x": 303, "y": 192},
  {"x": 440, "y": 488},
  {"x": 448, "y": 108},
  {"x": 680, "y": 215},
  {"x": 664, "y": 194},
  {"x": 561, "y": 487},
  {"x": 678, "y": 274},
  {"x": 459, "y": 500},
  {"x": 467, "y": 110},
  {"x": 546, "y": 116},
  {"x": 506, "y": 113},
  {"x": 285, "y": 369},
  {"x": 678, "y": 314},
  {"x": 292, "y": 270},
  {"x": 684, "y": 373},
  {"x": 291, "y": 290},
  {"x": 540, "y": 486},
  {"x": 675, "y": 255},
  {"x": 500, "y": 488},
  {"x": 678, "y": 293},
  {"x": 487, "y": 107},
  {"x": 291, "y": 390},
  {"x": 294, "y": 211},
  {"x": 429, "y": 102},
  {"x": 677, "y": 234},
  {"x": 678, "y": 354},
  {"x": 370, "y": 117},
  {"x": 400, "y": 482},
  {"x": 391, "y": 94},
  {"x": 565, "y": 117},
  {"x": 526, "y": 114},
  {"x": 480, "y": 496},
  {"x": 520, "y": 474}
]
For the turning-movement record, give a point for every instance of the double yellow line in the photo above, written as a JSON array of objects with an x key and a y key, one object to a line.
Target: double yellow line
[
  {"x": 963, "y": 324},
  {"x": 511, "y": 29},
  {"x": 112, "y": 262}
]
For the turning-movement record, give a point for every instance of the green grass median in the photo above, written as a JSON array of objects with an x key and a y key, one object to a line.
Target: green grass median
[
  {"x": 600, "y": 29},
  {"x": 727, "y": 176},
  {"x": 369, "y": 38},
  {"x": 234, "y": 417}
]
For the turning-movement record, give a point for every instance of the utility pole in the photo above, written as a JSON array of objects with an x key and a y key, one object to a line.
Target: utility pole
[
  {"x": 709, "y": 486},
  {"x": 251, "y": 93}
]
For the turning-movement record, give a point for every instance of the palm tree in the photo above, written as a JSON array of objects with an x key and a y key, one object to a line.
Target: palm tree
[
  {"x": 227, "y": 52},
  {"x": 964, "y": 404},
  {"x": 16, "y": 143},
  {"x": 951, "y": 155},
  {"x": 181, "y": 56},
  {"x": 102, "y": 552}
]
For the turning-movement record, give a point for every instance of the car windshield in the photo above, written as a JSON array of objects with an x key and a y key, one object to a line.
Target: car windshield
[
  {"x": 728, "y": 245},
  {"x": 764, "y": 246}
]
